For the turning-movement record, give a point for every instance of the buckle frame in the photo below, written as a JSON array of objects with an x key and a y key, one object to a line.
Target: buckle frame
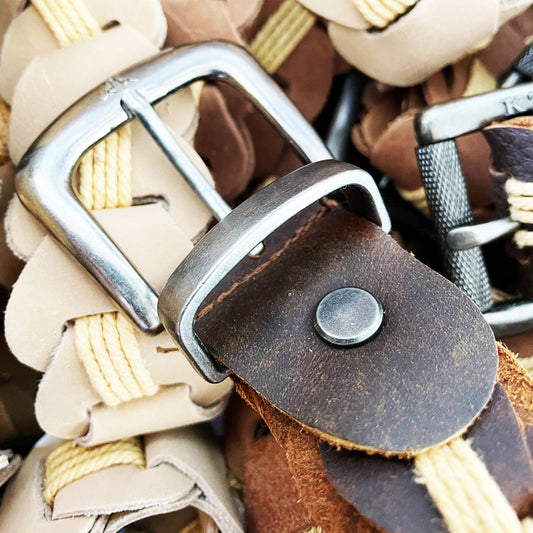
[
  {"x": 43, "y": 180},
  {"x": 436, "y": 129}
]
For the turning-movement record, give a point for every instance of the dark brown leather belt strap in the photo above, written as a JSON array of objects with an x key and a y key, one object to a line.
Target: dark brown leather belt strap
[{"x": 421, "y": 380}]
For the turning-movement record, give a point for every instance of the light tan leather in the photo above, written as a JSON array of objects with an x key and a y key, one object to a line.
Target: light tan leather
[
  {"x": 433, "y": 34},
  {"x": 152, "y": 174},
  {"x": 35, "y": 317},
  {"x": 9, "y": 464},
  {"x": 37, "y": 101},
  {"x": 10, "y": 265},
  {"x": 39, "y": 323},
  {"x": 28, "y": 36},
  {"x": 244, "y": 12},
  {"x": 184, "y": 469}
]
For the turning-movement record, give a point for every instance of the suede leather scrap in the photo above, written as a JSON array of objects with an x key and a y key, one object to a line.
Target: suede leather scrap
[
  {"x": 328, "y": 507},
  {"x": 270, "y": 496}
]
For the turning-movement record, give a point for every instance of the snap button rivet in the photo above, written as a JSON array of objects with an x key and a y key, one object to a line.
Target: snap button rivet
[{"x": 348, "y": 316}]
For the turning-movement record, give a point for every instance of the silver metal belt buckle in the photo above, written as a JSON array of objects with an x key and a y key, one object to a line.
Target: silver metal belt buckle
[
  {"x": 44, "y": 185},
  {"x": 436, "y": 129}
]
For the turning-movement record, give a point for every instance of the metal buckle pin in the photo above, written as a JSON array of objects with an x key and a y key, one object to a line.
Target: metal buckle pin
[
  {"x": 436, "y": 129},
  {"x": 44, "y": 175}
]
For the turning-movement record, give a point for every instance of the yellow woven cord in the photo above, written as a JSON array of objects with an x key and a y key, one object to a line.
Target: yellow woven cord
[
  {"x": 462, "y": 489},
  {"x": 314, "y": 529},
  {"x": 281, "y": 34},
  {"x": 104, "y": 177},
  {"x": 69, "y": 20},
  {"x": 70, "y": 462},
  {"x": 106, "y": 344},
  {"x": 4, "y": 125},
  {"x": 380, "y": 13},
  {"x": 105, "y": 173},
  {"x": 520, "y": 199},
  {"x": 416, "y": 197},
  {"x": 109, "y": 351}
]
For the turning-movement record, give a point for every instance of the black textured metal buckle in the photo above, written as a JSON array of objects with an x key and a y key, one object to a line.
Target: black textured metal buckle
[{"x": 436, "y": 129}]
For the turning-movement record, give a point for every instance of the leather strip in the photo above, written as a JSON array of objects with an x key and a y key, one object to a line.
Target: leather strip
[
  {"x": 386, "y": 488},
  {"x": 420, "y": 381},
  {"x": 512, "y": 157},
  {"x": 270, "y": 496}
]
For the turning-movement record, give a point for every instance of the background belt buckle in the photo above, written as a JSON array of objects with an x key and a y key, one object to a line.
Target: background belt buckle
[{"x": 436, "y": 129}]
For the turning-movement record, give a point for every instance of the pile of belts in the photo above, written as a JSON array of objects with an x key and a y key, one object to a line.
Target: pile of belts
[{"x": 276, "y": 278}]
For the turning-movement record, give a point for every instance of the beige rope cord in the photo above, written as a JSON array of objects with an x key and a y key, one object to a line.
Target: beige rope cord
[
  {"x": 417, "y": 197},
  {"x": 463, "y": 490},
  {"x": 70, "y": 462},
  {"x": 104, "y": 177},
  {"x": 108, "y": 349},
  {"x": 106, "y": 344},
  {"x": 4, "y": 125},
  {"x": 69, "y": 20},
  {"x": 380, "y": 13},
  {"x": 281, "y": 34},
  {"x": 520, "y": 199}
]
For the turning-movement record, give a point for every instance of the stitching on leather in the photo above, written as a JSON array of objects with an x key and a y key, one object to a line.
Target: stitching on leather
[{"x": 274, "y": 257}]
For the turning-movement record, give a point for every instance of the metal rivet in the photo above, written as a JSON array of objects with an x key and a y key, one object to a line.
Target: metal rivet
[{"x": 348, "y": 316}]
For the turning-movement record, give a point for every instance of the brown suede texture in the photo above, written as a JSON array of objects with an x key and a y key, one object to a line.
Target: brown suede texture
[
  {"x": 324, "y": 504},
  {"x": 271, "y": 499},
  {"x": 327, "y": 508}
]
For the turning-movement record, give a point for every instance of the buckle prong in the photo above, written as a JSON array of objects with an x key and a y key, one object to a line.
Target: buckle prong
[{"x": 138, "y": 106}]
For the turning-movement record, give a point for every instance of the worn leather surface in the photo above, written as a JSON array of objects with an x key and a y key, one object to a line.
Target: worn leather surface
[
  {"x": 387, "y": 495},
  {"x": 420, "y": 381},
  {"x": 368, "y": 481},
  {"x": 512, "y": 156}
]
